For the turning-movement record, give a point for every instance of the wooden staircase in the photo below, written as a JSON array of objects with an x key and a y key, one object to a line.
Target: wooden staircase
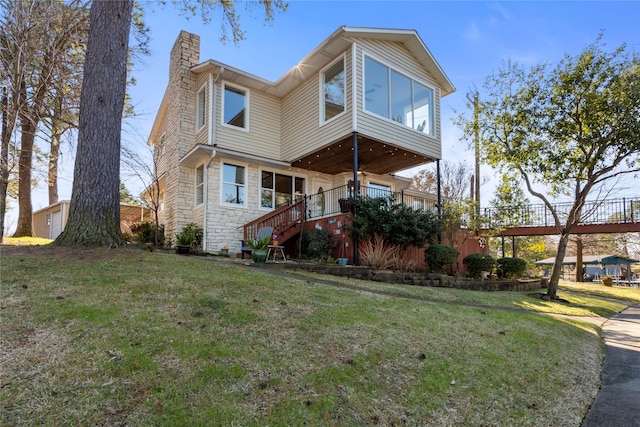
[{"x": 285, "y": 220}]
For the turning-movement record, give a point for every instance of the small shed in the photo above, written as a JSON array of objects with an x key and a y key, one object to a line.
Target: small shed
[{"x": 617, "y": 266}]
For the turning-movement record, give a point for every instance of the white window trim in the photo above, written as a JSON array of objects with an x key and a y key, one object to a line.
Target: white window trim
[
  {"x": 163, "y": 141},
  {"x": 202, "y": 90},
  {"x": 408, "y": 76},
  {"x": 274, "y": 171},
  {"x": 195, "y": 185},
  {"x": 247, "y": 100},
  {"x": 246, "y": 183},
  {"x": 321, "y": 103}
]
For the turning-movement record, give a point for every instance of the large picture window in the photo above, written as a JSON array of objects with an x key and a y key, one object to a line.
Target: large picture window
[
  {"x": 333, "y": 91},
  {"x": 397, "y": 97},
  {"x": 235, "y": 107},
  {"x": 278, "y": 190},
  {"x": 233, "y": 184}
]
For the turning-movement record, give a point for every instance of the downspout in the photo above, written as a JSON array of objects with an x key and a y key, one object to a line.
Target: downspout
[
  {"x": 439, "y": 189},
  {"x": 211, "y": 139}
]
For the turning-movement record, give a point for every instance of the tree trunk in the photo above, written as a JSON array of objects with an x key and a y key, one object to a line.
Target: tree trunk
[
  {"x": 94, "y": 214},
  {"x": 4, "y": 161},
  {"x": 54, "y": 153},
  {"x": 552, "y": 291},
  {"x": 25, "y": 208},
  {"x": 579, "y": 264}
]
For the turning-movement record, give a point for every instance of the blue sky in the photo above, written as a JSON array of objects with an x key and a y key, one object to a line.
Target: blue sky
[{"x": 470, "y": 40}]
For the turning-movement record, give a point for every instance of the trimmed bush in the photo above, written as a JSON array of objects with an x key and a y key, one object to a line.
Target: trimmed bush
[
  {"x": 476, "y": 263},
  {"x": 511, "y": 267},
  {"x": 145, "y": 232},
  {"x": 317, "y": 244},
  {"x": 438, "y": 257}
]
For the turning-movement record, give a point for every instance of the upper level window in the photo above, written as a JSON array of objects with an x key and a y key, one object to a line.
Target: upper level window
[
  {"x": 199, "y": 185},
  {"x": 163, "y": 140},
  {"x": 233, "y": 184},
  {"x": 333, "y": 90},
  {"x": 235, "y": 107},
  {"x": 399, "y": 98},
  {"x": 201, "y": 108}
]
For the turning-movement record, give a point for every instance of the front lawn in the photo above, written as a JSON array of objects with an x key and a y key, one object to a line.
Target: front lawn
[{"x": 128, "y": 337}]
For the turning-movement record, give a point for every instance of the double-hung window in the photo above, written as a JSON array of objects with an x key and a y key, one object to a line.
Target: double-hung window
[
  {"x": 233, "y": 184},
  {"x": 333, "y": 91},
  {"x": 235, "y": 112},
  {"x": 277, "y": 189},
  {"x": 378, "y": 190},
  {"x": 397, "y": 97},
  {"x": 199, "y": 185},
  {"x": 201, "y": 108}
]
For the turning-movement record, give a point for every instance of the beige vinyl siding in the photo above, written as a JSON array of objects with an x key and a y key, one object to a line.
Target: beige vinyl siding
[
  {"x": 400, "y": 59},
  {"x": 302, "y": 132},
  {"x": 262, "y": 136}
]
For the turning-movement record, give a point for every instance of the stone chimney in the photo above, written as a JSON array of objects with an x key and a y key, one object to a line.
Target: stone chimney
[{"x": 180, "y": 130}]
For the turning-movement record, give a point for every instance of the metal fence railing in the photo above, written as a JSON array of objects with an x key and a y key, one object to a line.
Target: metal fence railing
[
  {"x": 336, "y": 200},
  {"x": 614, "y": 211}
]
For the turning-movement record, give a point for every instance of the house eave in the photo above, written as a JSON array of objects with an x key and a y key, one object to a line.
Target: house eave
[
  {"x": 202, "y": 152},
  {"x": 325, "y": 52}
]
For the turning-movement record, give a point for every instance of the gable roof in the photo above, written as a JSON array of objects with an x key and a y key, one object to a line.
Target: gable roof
[{"x": 326, "y": 52}]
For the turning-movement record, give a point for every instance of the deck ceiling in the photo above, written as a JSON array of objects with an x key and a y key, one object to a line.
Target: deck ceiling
[{"x": 373, "y": 156}]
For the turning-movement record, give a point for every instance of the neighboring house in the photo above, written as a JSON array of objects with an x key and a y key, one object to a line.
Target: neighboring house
[
  {"x": 49, "y": 221},
  {"x": 595, "y": 267},
  {"x": 234, "y": 149}
]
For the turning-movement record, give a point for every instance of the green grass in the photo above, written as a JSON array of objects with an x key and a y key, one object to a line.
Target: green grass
[{"x": 106, "y": 337}]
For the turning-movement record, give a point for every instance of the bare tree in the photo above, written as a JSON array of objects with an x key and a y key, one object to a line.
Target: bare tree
[
  {"x": 136, "y": 164},
  {"x": 37, "y": 38},
  {"x": 455, "y": 180}
]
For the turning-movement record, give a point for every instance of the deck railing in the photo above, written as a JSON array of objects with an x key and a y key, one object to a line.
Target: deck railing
[
  {"x": 615, "y": 211},
  {"x": 336, "y": 200}
]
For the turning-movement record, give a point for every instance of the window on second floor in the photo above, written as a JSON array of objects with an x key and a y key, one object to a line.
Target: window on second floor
[
  {"x": 162, "y": 147},
  {"x": 399, "y": 98},
  {"x": 199, "y": 185},
  {"x": 333, "y": 91},
  {"x": 235, "y": 111},
  {"x": 201, "y": 108}
]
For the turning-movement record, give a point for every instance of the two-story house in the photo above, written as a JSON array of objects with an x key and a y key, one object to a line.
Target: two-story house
[{"x": 233, "y": 147}]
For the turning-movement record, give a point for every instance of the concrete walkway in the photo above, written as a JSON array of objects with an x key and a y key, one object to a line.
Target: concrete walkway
[{"x": 618, "y": 402}]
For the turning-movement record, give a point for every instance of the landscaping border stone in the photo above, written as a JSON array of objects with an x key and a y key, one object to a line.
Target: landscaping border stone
[{"x": 417, "y": 278}]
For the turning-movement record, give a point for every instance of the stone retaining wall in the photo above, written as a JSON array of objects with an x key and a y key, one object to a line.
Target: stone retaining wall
[{"x": 418, "y": 279}]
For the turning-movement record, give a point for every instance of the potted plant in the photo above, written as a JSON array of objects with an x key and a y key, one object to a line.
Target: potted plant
[
  {"x": 274, "y": 240},
  {"x": 224, "y": 251},
  {"x": 184, "y": 240},
  {"x": 189, "y": 238},
  {"x": 259, "y": 249},
  {"x": 607, "y": 280}
]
